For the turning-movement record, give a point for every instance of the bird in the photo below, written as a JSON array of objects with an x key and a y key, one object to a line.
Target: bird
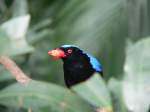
[{"x": 78, "y": 66}]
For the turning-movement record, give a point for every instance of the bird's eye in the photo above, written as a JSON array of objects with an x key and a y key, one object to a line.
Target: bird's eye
[{"x": 69, "y": 51}]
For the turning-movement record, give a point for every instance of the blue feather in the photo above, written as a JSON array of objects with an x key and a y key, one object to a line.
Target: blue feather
[
  {"x": 95, "y": 63},
  {"x": 65, "y": 46}
]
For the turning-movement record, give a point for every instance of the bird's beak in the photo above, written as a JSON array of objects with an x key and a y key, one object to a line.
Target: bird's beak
[{"x": 56, "y": 53}]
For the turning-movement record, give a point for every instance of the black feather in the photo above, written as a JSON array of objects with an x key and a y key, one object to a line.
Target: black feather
[{"x": 78, "y": 66}]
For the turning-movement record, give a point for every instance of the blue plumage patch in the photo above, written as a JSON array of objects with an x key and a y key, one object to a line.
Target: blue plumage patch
[
  {"x": 65, "y": 46},
  {"x": 96, "y": 65}
]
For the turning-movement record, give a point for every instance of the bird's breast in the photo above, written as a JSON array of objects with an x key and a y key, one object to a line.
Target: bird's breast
[
  {"x": 75, "y": 73},
  {"x": 73, "y": 67}
]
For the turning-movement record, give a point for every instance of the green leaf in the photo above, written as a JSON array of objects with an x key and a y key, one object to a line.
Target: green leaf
[
  {"x": 4, "y": 74},
  {"x": 20, "y": 8},
  {"x": 4, "y": 43},
  {"x": 95, "y": 92},
  {"x": 39, "y": 96},
  {"x": 13, "y": 34},
  {"x": 136, "y": 82},
  {"x": 115, "y": 87}
]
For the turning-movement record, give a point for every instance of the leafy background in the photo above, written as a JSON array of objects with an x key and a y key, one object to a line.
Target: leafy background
[{"x": 115, "y": 31}]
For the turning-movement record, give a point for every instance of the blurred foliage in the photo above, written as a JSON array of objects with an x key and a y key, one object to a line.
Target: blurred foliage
[{"x": 115, "y": 31}]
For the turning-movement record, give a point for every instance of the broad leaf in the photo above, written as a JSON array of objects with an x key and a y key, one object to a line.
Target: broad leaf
[
  {"x": 40, "y": 96},
  {"x": 115, "y": 87},
  {"x": 137, "y": 74},
  {"x": 95, "y": 92},
  {"x": 4, "y": 74},
  {"x": 13, "y": 38}
]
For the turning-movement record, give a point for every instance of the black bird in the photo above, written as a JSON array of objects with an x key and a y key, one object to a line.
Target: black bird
[{"x": 78, "y": 65}]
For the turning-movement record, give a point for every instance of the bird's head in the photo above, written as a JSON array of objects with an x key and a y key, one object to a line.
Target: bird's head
[{"x": 65, "y": 51}]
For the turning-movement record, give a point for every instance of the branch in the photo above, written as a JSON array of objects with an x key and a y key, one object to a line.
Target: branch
[
  {"x": 16, "y": 72},
  {"x": 104, "y": 110}
]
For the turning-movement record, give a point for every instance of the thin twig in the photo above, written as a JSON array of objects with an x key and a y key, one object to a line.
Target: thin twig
[
  {"x": 30, "y": 109},
  {"x": 16, "y": 72},
  {"x": 104, "y": 110}
]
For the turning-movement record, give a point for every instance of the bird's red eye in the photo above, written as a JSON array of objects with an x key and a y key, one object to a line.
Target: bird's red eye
[{"x": 69, "y": 51}]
